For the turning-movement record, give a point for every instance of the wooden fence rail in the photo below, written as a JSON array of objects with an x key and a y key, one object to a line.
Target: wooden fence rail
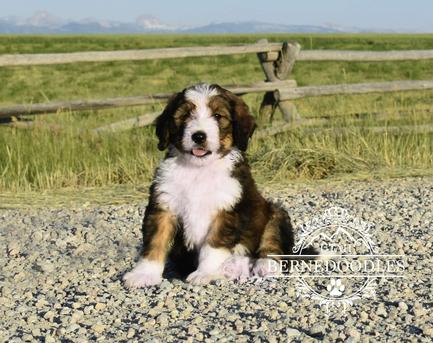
[
  {"x": 356, "y": 88},
  {"x": 81, "y": 105},
  {"x": 276, "y": 59},
  {"x": 364, "y": 56},
  {"x": 284, "y": 91},
  {"x": 134, "y": 55},
  {"x": 151, "y": 54}
]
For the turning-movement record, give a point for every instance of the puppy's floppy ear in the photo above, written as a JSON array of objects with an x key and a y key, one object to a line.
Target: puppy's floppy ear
[
  {"x": 164, "y": 122},
  {"x": 243, "y": 122}
]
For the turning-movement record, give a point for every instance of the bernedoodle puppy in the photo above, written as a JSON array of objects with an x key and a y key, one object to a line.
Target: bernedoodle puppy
[{"x": 205, "y": 213}]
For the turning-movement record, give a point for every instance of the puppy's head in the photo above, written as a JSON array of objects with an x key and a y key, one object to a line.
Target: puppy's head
[{"x": 205, "y": 122}]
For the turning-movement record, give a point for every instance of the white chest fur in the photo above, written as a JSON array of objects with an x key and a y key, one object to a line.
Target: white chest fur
[{"x": 196, "y": 193}]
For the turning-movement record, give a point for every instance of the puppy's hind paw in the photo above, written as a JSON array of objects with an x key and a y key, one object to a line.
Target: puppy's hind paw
[
  {"x": 201, "y": 278},
  {"x": 237, "y": 268},
  {"x": 266, "y": 267}
]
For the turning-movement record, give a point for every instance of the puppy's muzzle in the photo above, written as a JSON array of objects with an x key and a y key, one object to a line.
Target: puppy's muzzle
[{"x": 199, "y": 138}]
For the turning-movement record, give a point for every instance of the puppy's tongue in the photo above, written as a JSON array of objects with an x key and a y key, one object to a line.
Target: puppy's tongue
[{"x": 199, "y": 152}]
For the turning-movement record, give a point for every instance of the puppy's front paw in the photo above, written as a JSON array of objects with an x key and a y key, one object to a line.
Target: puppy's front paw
[
  {"x": 266, "y": 267},
  {"x": 146, "y": 273},
  {"x": 201, "y": 278},
  {"x": 136, "y": 279}
]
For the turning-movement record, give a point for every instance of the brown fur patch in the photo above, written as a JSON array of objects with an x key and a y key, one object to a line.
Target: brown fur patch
[
  {"x": 223, "y": 231},
  {"x": 183, "y": 113},
  {"x": 242, "y": 122},
  {"x": 270, "y": 242},
  {"x": 259, "y": 225},
  {"x": 219, "y": 105},
  {"x": 163, "y": 229},
  {"x": 226, "y": 143}
]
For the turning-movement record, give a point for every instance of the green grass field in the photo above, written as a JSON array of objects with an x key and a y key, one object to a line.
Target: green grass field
[{"x": 60, "y": 152}]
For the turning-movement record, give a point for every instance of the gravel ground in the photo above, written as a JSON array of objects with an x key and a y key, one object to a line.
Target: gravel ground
[{"x": 62, "y": 268}]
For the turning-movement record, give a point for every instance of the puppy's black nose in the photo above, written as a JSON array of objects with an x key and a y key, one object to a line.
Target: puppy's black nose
[{"x": 198, "y": 137}]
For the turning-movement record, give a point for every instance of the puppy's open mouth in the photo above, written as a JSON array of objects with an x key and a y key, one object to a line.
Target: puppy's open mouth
[{"x": 200, "y": 152}]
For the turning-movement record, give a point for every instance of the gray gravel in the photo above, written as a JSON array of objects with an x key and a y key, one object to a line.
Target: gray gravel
[{"x": 62, "y": 268}]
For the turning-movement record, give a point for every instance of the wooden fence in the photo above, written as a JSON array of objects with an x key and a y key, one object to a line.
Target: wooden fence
[{"x": 277, "y": 61}]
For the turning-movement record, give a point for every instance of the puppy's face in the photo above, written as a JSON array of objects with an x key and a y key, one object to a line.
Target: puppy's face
[{"x": 204, "y": 123}]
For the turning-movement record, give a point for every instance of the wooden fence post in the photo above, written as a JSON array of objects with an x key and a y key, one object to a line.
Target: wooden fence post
[{"x": 278, "y": 66}]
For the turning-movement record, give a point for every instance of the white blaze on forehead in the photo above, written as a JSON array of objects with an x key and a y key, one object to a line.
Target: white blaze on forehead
[
  {"x": 199, "y": 95},
  {"x": 202, "y": 117}
]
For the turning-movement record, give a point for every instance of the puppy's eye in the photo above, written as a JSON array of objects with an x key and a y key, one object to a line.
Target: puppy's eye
[{"x": 217, "y": 116}]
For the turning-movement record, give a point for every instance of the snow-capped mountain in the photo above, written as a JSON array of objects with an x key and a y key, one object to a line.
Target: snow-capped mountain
[
  {"x": 43, "y": 19},
  {"x": 44, "y": 22},
  {"x": 148, "y": 22},
  {"x": 258, "y": 27}
]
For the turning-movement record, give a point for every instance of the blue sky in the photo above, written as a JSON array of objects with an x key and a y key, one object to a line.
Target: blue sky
[{"x": 414, "y": 15}]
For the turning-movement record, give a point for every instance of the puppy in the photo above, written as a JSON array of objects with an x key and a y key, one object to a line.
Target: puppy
[{"x": 204, "y": 207}]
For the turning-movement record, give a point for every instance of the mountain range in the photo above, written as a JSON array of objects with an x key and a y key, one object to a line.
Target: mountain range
[{"x": 45, "y": 23}]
